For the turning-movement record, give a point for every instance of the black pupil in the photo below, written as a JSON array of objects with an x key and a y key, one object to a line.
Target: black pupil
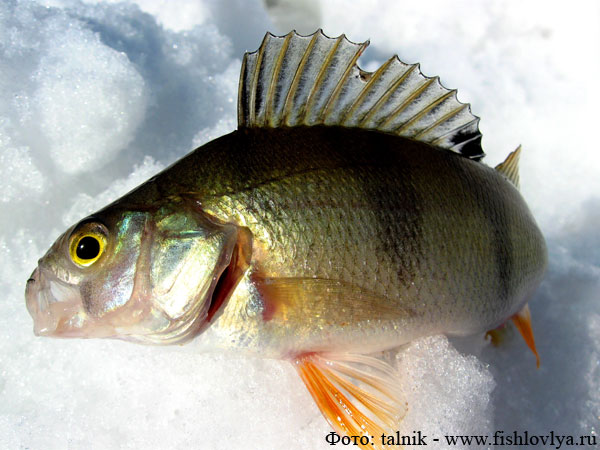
[{"x": 88, "y": 248}]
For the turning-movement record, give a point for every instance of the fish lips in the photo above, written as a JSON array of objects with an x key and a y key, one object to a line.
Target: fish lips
[{"x": 54, "y": 305}]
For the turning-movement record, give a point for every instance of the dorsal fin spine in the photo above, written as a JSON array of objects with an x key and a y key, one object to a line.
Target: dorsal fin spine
[
  {"x": 388, "y": 93},
  {"x": 359, "y": 100},
  {"x": 312, "y": 80},
  {"x": 466, "y": 125},
  {"x": 317, "y": 84},
  {"x": 344, "y": 78},
  {"x": 275, "y": 77},
  {"x": 242, "y": 94},
  {"x": 422, "y": 113},
  {"x": 413, "y": 95},
  {"x": 463, "y": 143},
  {"x": 261, "y": 52},
  {"x": 441, "y": 120},
  {"x": 296, "y": 80}
]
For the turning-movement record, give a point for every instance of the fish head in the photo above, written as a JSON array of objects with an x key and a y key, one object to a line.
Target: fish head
[{"x": 145, "y": 274}]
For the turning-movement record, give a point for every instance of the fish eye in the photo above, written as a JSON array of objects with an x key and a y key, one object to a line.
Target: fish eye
[{"x": 87, "y": 245}]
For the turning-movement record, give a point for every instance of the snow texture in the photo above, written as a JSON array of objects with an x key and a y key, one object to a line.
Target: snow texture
[{"x": 95, "y": 97}]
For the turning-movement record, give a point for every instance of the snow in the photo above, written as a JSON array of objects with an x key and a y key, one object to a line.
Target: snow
[{"x": 95, "y": 97}]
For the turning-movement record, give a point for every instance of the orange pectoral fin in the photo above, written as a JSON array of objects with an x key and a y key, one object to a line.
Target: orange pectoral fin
[
  {"x": 328, "y": 302},
  {"x": 349, "y": 409},
  {"x": 522, "y": 321}
]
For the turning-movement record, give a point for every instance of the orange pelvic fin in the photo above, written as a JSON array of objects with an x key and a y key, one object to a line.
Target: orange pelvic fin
[
  {"x": 522, "y": 321},
  {"x": 370, "y": 410}
]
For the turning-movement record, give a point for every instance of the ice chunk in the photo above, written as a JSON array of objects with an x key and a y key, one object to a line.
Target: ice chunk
[
  {"x": 447, "y": 393},
  {"x": 89, "y": 97},
  {"x": 19, "y": 177}
]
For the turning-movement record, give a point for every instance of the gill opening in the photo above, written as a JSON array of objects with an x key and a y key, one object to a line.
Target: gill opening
[{"x": 232, "y": 274}]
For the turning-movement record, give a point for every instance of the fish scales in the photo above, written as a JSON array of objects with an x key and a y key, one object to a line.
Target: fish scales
[
  {"x": 428, "y": 231},
  {"x": 349, "y": 213}
]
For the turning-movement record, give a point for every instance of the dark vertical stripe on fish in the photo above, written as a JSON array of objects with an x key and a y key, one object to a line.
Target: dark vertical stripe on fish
[
  {"x": 398, "y": 213},
  {"x": 489, "y": 199}
]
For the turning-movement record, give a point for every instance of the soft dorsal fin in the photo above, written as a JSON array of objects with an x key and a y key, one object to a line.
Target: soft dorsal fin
[
  {"x": 510, "y": 167},
  {"x": 298, "y": 80}
]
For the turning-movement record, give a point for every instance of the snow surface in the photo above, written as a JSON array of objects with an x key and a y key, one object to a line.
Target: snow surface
[{"x": 97, "y": 97}]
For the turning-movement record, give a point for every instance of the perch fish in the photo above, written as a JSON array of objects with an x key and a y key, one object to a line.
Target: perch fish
[{"x": 348, "y": 214}]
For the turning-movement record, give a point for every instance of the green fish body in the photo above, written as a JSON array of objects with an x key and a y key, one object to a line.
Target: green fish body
[{"x": 429, "y": 241}]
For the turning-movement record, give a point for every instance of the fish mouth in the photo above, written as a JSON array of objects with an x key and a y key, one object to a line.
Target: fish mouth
[{"x": 55, "y": 306}]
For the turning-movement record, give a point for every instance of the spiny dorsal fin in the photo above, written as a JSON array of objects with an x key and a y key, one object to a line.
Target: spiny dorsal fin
[
  {"x": 298, "y": 80},
  {"x": 510, "y": 167}
]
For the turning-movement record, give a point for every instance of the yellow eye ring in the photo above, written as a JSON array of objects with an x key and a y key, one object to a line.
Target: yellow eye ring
[{"x": 87, "y": 247}]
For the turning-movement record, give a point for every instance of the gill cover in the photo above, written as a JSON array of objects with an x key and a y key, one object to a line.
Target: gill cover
[
  {"x": 143, "y": 275},
  {"x": 189, "y": 256}
]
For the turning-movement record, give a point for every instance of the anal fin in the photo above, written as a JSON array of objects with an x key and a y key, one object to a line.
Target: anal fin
[
  {"x": 369, "y": 410},
  {"x": 522, "y": 321}
]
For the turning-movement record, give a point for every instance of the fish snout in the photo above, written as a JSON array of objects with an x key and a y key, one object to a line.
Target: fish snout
[
  {"x": 37, "y": 303},
  {"x": 47, "y": 303},
  {"x": 32, "y": 290},
  {"x": 33, "y": 276}
]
